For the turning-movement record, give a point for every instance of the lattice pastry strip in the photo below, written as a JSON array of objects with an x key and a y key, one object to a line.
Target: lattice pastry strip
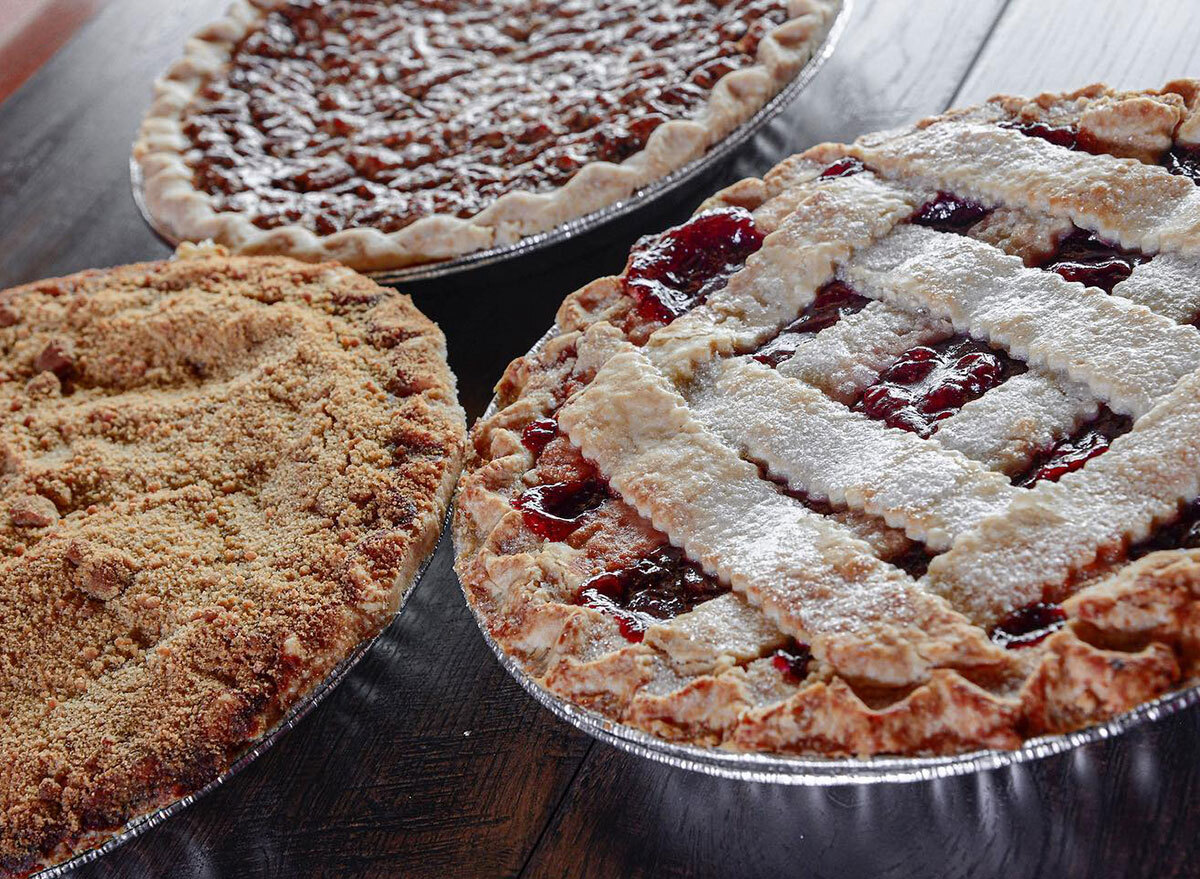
[
  {"x": 1008, "y": 425},
  {"x": 1137, "y": 205},
  {"x": 845, "y": 358},
  {"x": 1057, "y": 528},
  {"x": 810, "y": 576},
  {"x": 723, "y": 632},
  {"x": 1168, "y": 285},
  {"x": 822, "y": 447},
  {"x": 831, "y": 222},
  {"x": 1005, "y": 432},
  {"x": 1036, "y": 315},
  {"x": 1005, "y": 428},
  {"x": 772, "y": 198},
  {"x": 1002, "y": 436}
]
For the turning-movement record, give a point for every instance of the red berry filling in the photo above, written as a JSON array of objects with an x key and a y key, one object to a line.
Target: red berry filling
[
  {"x": 660, "y": 586},
  {"x": 930, "y": 383},
  {"x": 671, "y": 273},
  {"x": 831, "y": 303},
  {"x": 949, "y": 213},
  {"x": 847, "y": 167},
  {"x": 1061, "y": 135},
  {"x": 556, "y": 509},
  {"x": 793, "y": 660},
  {"x": 1087, "y": 258},
  {"x": 538, "y": 433},
  {"x": 1183, "y": 533},
  {"x": 1029, "y": 625},
  {"x": 914, "y": 561},
  {"x": 1184, "y": 161},
  {"x": 1076, "y": 450}
]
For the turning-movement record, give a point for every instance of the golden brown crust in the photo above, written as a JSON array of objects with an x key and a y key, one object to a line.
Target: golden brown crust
[
  {"x": 218, "y": 476},
  {"x": 1133, "y": 631}
]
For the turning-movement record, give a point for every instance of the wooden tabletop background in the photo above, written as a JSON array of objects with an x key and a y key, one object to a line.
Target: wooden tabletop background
[{"x": 429, "y": 761}]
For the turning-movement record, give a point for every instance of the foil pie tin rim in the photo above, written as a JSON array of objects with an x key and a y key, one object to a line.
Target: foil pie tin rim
[
  {"x": 723, "y": 149},
  {"x": 107, "y": 842},
  {"x": 812, "y": 771}
]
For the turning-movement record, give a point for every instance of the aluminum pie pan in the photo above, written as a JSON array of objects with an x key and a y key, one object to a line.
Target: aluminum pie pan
[
  {"x": 814, "y": 771},
  {"x": 107, "y": 842},
  {"x": 664, "y": 186}
]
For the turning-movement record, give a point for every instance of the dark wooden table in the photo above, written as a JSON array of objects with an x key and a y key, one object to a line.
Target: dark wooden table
[{"x": 429, "y": 760}]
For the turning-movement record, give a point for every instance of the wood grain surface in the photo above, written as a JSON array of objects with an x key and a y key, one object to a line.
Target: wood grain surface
[
  {"x": 31, "y": 31},
  {"x": 1060, "y": 46},
  {"x": 429, "y": 761}
]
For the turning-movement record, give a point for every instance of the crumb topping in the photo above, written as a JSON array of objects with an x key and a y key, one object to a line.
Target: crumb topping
[{"x": 216, "y": 477}]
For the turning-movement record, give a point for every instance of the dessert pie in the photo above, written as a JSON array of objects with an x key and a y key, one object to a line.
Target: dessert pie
[
  {"x": 217, "y": 477},
  {"x": 389, "y": 134},
  {"x": 895, "y": 450}
]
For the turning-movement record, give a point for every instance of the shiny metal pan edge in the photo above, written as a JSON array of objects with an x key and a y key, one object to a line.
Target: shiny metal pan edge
[
  {"x": 106, "y": 842},
  {"x": 815, "y": 771},
  {"x": 664, "y": 186}
]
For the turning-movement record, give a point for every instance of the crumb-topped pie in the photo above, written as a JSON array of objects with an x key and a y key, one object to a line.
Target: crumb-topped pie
[
  {"x": 217, "y": 477},
  {"x": 896, "y": 450},
  {"x": 389, "y": 134}
]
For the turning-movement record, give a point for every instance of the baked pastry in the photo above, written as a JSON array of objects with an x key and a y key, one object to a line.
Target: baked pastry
[
  {"x": 217, "y": 477},
  {"x": 896, "y": 450},
  {"x": 385, "y": 135}
]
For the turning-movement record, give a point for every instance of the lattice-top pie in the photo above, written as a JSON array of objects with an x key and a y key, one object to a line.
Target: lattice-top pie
[
  {"x": 895, "y": 450},
  {"x": 387, "y": 134},
  {"x": 217, "y": 476}
]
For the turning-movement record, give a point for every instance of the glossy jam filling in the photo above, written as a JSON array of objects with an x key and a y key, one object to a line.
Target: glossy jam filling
[
  {"x": 351, "y": 113},
  {"x": 793, "y": 660},
  {"x": 928, "y": 384},
  {"x": 1184, "y": 161},
  {"x": 949, "y": 213},
  {"x": 671, "y": 273},
  {"x": 914, "y": 561},
  {"x": 847, "y": 167},
  {"x": 1076, "y": 450},
  {"x": 831, "y": 303},
  {"x": 555, "y": 509},
  {"x": 658, "y": 587},
  {"x": 1087, "y": 258},
  {"x": 1183, "y": 533},
  {"x": 1029, "y": 625},
  {"x": 1060, "y": 135},
  {"x": 537, "y": 434}
]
